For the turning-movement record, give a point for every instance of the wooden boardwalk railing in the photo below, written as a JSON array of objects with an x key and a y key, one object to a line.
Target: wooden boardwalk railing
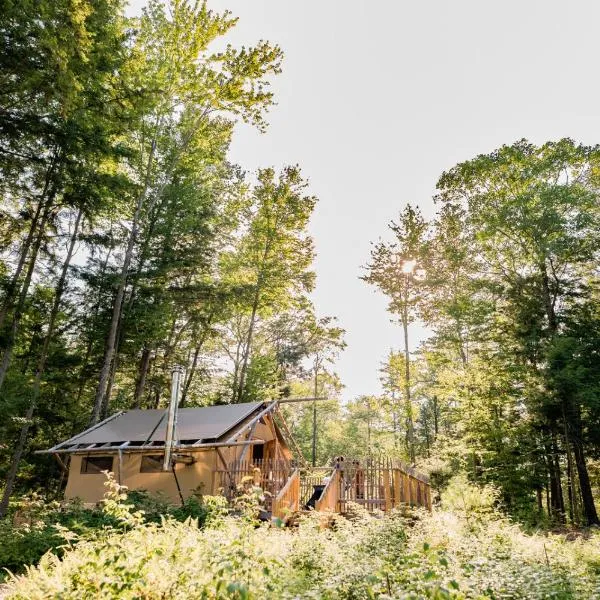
[
  {"x": 375, "y": 483},
  {"x": 270, "y": 475},
  {"x": 330, "y": 498},
  {"x": 288, "y": 499}
]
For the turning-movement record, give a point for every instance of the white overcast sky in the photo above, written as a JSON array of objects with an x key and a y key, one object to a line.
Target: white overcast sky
[{"x": 378, "y": 97}]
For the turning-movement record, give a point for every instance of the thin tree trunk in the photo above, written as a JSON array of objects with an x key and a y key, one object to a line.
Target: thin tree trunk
[
  {"x": 314, "y": 414},
  {"x": 192, "y": 370},
  {"x": 141, "y": 378},
  {"x": 558, "y": 497},
  {"x": 12, "y": 287},
  {"x": 548, "y": 299},
  {"x": 589, "y": 507},
  {"x": 587, "y": 497},
  {"x": 410, "y": 436},
  {"x": 23, "y": 295},
  {"x": 109, "y": 387},
  {"x": 90, "y": 346},
  {"x": 118, "y": 303},
  {"x": 248, "y": 346},
  {"x": 570, "y": 490},
  {"x": 395, "y": 420},
  {"x": 19, "y": 449},
  {"x": 554, "y": 491},
  {"x": 246, "y": 353},
  {"x": 12, "y": 474},
  {"x": 190, "y": 376}
]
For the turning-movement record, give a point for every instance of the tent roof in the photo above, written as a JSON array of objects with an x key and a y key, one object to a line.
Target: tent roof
[{"x": 147, "y": 427}]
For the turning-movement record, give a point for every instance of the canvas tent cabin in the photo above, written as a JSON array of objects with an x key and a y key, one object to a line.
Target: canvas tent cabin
[{"x": 213, "y": 448}]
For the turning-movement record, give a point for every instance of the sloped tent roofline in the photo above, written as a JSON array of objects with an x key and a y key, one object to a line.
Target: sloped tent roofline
[{"x": 143, "y": 430}]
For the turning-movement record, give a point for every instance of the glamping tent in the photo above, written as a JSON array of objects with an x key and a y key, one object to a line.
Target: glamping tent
[{"x": 178, "y": 452}]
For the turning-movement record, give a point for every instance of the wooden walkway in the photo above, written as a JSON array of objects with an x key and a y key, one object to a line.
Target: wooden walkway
[{"x": 377, "y": 483}]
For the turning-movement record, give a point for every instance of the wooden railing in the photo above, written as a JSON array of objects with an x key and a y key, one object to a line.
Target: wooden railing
[
  {"x": 288, "y": 499},
  {"x": 270, "y": 475},
  {"x": 377, "y": 483},
  {"x": 309, "y": 478},
  {"x": 330, "y": 498}
]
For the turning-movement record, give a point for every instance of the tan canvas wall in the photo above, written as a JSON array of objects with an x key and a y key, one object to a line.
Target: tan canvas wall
[{"x": 90, "y": 486}]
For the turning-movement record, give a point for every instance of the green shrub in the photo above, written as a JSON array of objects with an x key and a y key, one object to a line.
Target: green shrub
[
  {"x": 36, "y": 526},
  {"x": 471, "y": 552},
  {"x": 419, "y": 555}
]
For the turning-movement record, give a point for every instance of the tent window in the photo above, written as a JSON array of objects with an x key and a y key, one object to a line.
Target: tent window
[
  {"x": 96, "y": 464},
  {"x": 151, "y": 463}
]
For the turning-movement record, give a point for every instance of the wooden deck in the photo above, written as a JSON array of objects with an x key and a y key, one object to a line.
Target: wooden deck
[{"x": 377, "y": 483}]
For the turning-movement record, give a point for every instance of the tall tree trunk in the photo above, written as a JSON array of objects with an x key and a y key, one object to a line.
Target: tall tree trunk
[
  {"x": 576, "y": 442},
  {"x": 548, "y": 298},
  {"x": 90, "y": 346},
  {"x": 587, "y": 497},
  {"x": 570, "y": 474},
  {"x": 123, "y": 280},
  {"x": 42, "y": 203},
  {"x": 192, "y": 370},
  {"x": 589, "y": 508},
  {"x": 18, "y": 314},
  {"x": 141, "y": 378},
  {"x": 12, "y": 286},
  {"x": 247, "y": 349},
  {"x": 111, "y": 381},
  {"x": 314, "y": 413},
  {"x": 558, "y": 496},
  {"x": 118, "y": 302},
  {"x": 555, "y": 510},
  {"x": 410, "y": 434},
  {"x": 20, "y": 447}
]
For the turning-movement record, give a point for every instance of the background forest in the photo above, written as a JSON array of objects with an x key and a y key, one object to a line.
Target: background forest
[{"x": 129, "y": 243}]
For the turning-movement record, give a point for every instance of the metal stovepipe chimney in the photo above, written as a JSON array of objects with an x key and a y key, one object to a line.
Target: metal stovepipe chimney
[{"x": 170, "y": 440}]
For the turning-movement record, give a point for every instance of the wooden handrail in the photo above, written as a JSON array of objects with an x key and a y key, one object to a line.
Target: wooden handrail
[
  {"x": 331, "y": 494},
  {"x": 288, "y": 499},
  {"x": 376, "y": 485}
]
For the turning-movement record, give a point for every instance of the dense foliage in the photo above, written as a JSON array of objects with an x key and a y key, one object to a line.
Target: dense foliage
[
  {"x": 36, "y": 526},
  {"x": 128, "y": 240},
  {"x": 506, "y": 276},
  {"x": 467, "y": 553}
]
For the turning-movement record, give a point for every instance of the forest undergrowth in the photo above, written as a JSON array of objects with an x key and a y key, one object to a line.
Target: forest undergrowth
[{"x": 466, "y": 548}]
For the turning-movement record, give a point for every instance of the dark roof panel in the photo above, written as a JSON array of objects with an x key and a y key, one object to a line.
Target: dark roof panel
[
  {"x": 207, "y": 423},
  {"x": 130, "y": 426},
  {"x": 204, "y": 423}
]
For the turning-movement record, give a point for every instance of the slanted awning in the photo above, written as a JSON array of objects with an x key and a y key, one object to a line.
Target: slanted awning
[{"x": 146, "y": 428}]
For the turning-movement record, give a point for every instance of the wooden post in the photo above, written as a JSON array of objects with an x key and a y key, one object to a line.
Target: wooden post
[
  {"x": 256, "y": 476},
  {"x": 386, "y": 490},
  {"x": 397, "y": 488},
  {"x": 405, "y": 488}
]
